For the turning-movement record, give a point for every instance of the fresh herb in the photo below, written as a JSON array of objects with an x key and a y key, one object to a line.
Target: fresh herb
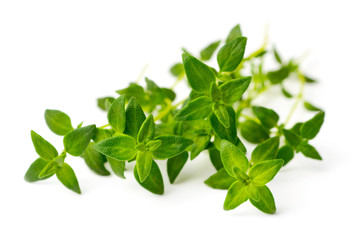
[{"x": 145, "y": 126}]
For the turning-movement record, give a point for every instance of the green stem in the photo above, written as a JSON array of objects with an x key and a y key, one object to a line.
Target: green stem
[
  {"x": 169, "y": 108},
  {"x": 298, "y": 98},
  {"x": 142, "y": 73},
  {"x": 104, "y": 126}
]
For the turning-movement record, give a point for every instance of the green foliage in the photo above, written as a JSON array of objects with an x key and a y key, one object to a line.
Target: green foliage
[
  {"x": 67, "y": 177},
  {"x": 232, "y": 157},
  {"x": 122, "y": 147},
  {"x": 234, "y": 33},
  {"x": 233, "y": 90},
  {"x": 266, "y": 150},
  {"x": 145, "y": 126},
  {"x": 253, "y": 131},
  {"x": 43, "y": 147},
  {"x": 58, "y": 122},
  {"x": 311, "y": 127},
  {"x": 171, "y": 146},
  {"x": 199, "y": 108},
  {"x": 175, "y": 165},
  {"x": 95, "y": 160},
  {"x": 117, "y": 115},
  {"x": 32, "y": 175},
  {"x": 267, "y": 117},
  {"x": 208, "y": 51},
  {"x": 76, "y": 141},
  {"x": 154, "y": 182},
  {"x": 198, "y": 74},
  {"x": 230, "y": 55},
  {"x": 134, "y": 117}
]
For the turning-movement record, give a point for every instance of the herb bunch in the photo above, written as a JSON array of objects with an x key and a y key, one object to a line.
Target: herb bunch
[{"x": 145, "y": 126}]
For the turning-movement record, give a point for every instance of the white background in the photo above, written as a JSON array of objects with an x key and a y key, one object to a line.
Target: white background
[{"x": 65, "y": 54}]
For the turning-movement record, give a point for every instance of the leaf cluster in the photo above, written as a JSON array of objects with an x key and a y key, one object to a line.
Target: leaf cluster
[{"x": 145, "y": 126}]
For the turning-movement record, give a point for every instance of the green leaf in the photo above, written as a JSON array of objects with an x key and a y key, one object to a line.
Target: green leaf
[
  {"x": 277, "y": 56},
  {"x": 171, "y": 146},
  {"x": 67, "y": 177},
  {"x": 95, "y": 160},
  {"x": 279, "y": 75},
  {"x": 215, "y": 158},
  {"x": 117, "y": 114},
  {"x": 236, "y": 195},
  {"x": 311, "y": 107},
  {"x": 220, "y": 180},
  {"x": 43, "y": 147},
  {"x": 118, "y": 167},
  {"x": 292, "y": 138},
  {"x": 168, "y": 93},
  {"x": 134, "y": 117},
  {"x": 135, "y": 90},
  {"x": 309, "y": 151},
  {"x": 175, "y": 165},
  {"x": 266, "y": 203},
  {"x": 107, "y": 104},
  {"x": 199, "y": 144},
  {"x": 266, "y": 150},
  {"x": 101, "y": 134},
  {"x": 101, "y": 102},
  {"x": 253, "y": 192},
  {"x": 199, "y": 75},
  {"x": 222, "y": 114},
  {"x": 231, "y": 157},
  {"x": 240, "y": 145},
  {"x": 215, "y": 92},
  {"x": 263, "y": 172},
  {"x": 177, "y": 69},
  {"x": 253, "y": 131},
  {"x": 76, "y": 141},
  {"x": 58, "y": 122},
  {"x": 200, "y": 108},
  {"x": 144, "y": 164},
  {"x": 48, "y": 170},
  {"x": 240, "y": 175},
  {"x": 32, "y": 175},
  {"x": 207, "y": 52},
  {"x": 232, "y": 91},
  {"x": 309, "y": 80},
  {"x": 268, "y": 117},
  {"x": 286, "y": 153},
  {"x": 230, "y": 133},
  {"x": 153, "y": 145},
  {"x": 154, "y": 182},
  {"x": 231, "y": 54},
  {"x": 122, "y": 148},
  {"x": 234, "y": 34},
  {"x": 147, "y": 130},
  {"x": 157, "y": 95},
  {"x": 311, "y": 127},
  {"x": 296, "y": 128},
  {"x": 286, "y": 93}
]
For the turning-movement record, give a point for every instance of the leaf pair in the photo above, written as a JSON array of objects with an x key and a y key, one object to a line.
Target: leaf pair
[
  {"x": 257, "y": 132},
  {"x": 50, "y": 163},
  {"x": 75, "y": 140},
  {"x": 298, "y": 137},
  {"x": 244, "y": 183},
  {"x": 143, "y": 145},
  {"x": 215, "y": 102}
]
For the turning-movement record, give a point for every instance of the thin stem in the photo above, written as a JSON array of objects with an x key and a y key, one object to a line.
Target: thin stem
[
  {"x": 298, "y": 98},
  {"x": 169, "y": 108},
  {"x": 142, "y": 73},
  {"x": 178, "y": 80},
  {"x": 104, "y": 126}
]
